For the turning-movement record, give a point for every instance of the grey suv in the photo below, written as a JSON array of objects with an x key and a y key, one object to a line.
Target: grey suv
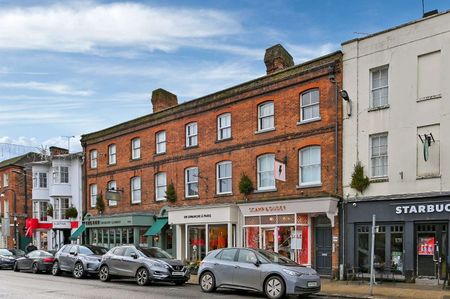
[
  {"x": 256, "y": 270},
  {"x": 145, "y": 264},
  {"x": 80, "y": 260}
]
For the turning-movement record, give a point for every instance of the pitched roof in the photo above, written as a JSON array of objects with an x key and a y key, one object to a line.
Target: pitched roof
[{"x": 21, "y": 160}]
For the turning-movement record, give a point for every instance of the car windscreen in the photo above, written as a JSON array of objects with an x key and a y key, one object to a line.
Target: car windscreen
[
  {"x": 17, "y": 252},
  {"x": 45, "y": 254},
  {"x": 5, "y": 252},
  {"x": 155, "y": 253},
  {"x": 276, "y": 258},
  {"x": 92, "y": 250}
]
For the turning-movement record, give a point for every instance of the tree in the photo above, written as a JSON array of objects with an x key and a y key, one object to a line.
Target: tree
[
  {"x": 245, "y": 185},
  {"x": 100, "y": 205},
  {"x": 359, "y": 182},
  {"x": 171, "y": 194}
]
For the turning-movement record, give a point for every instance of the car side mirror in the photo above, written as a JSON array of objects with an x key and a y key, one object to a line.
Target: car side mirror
[
  {"x": 26, "y": 255},
  {"x": 72, "y": 253},
  {"x": 134, "y": 255},
  {"x": 257, "y": 263}
]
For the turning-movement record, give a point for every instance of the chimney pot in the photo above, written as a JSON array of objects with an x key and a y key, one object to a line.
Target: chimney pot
[
  {"x": 162, "y": 99},
  {"x": 277, "y": 58}
]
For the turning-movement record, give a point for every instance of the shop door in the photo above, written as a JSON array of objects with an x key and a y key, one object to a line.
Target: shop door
[
  {"x": 268, "y": 240},
  {"x": 323, "y": 250},
  {"x": 431, "y": 250}
]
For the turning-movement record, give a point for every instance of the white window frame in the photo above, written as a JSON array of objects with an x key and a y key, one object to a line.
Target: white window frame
[
  {"x": 112, "y": 154},
  {"x": 38, "y": 179},
  {"x": 161, "y": 142},
  {"x": 136, "y": 148},
  {"x": 58, "y": 177},
  {"x": 93, "y": 156},
  {"x": 112, "y": 186},
  {"x": 380, "y": 156},
  {"x": 136, "y": 190},
  {"x": 93, "y": 195},
  {"x": 191, "y": 134},
  {"x": 302, "y": 107},
  {"x": 303, "y": 167},
  {"x": 373, "y": 89},
  {"x": 221, "y": 129},
  {"x": 5, "y": 180},
  {"x": 219, "y": 179},
  {"x": 59, "y": 211},
  {"x": 187, "y": 183},
  {"x": 261, "y": 117},
  {"x": 40, "y": 210},
  {"x": 259, "y": 172},
  {"x": 160, "y": 187}
]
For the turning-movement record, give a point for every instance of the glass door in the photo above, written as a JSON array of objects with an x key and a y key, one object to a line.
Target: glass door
[{"x": 268, "y": 241}]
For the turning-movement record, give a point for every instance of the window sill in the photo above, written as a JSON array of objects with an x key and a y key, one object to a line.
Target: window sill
[
  {"x": 159, "y": 154},
  {"x": 191, "y": 197},
  {"x": 303, "y": 122},
  {"x": 265, "y": 131},
  {"x": 223, "y": 140},
  {"x": 135, "y": 203},
  {"x": 190, "y": 147},
  {"x": 423, "y": 99},
  {"x": 379, "y": 180},
  {"x": 426, "y": 177},
  {"x": 265, "y": 190},
  {"x": 305, "y": 186},
  {"x": 223, "y": 194},
  {"x": 136, "y": 159},
  {"x": 378, "y": 108},
  {"x": 113, "y": 164},
  {"x": 160, "y": 200}
]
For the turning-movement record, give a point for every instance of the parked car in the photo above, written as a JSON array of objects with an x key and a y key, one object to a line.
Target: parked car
[
  {"x": 35, "y": 261},
  {"x": 7, "y": 259},
  {"x": 80, "y": 260},
  {"x": 256, "y": 270},
  {"x": 145, "y": 264},
  {"x": 17, "y": 252}
]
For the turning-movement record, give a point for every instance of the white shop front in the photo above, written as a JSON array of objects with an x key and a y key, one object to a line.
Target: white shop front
[{"x": 200, "y": 229}]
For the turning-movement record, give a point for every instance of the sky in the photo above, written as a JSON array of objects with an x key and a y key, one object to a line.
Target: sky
[{"x": 69, "y": 68}]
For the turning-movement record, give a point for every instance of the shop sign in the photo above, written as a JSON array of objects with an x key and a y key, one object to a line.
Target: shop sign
[
  {"x": 426, "y": 246},
  {"x": 274, "y": 208},
  {"x": 61, "y": 224},
  {"x": 422, "y": 208},
  {"x": 197, "y": 216},
  {"x": 216, "y": 214}
]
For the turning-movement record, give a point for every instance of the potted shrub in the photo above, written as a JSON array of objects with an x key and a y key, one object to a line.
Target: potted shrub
[
  {"x": 245, "y": 186},
  {"x": 71, "y": 212},
  {"x": 100, "y": 205},
  {"x": 171, "y": 194},
  {"x": 49, "y": 210}
]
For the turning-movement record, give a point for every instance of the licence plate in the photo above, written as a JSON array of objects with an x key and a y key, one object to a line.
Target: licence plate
[
  {"x": 312, "y": 284},
  {"x": 177, "y": 273}
]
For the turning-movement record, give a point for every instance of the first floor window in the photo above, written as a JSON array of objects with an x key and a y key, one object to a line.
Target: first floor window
[
  {"x": 309, "y": 105},
  {"x": 191, "y": 182},
  {"x": 61, "y": 205},
  {"x": 93, "y": 159},
  {"x": 161, "y": 142},
  {"x": 224, "y": 126},
  {"x": 224, "y": 177},
  {"x": 379, "y": 87},
  {"x": 136, "y": 148},
  {"x": 61, "y": 174},
  {"x": 191, "y": 134},
  {"x": 310, "y": 165},
  {"x": 136, "y": 190},
  {"x": 93, "y": 193},
  {"x": 112, "y": 186},
  {"x": 379, "y": 155},
  {"x": 112, "y": 154},
  {"x": 161, "y": 185},
  {"x": 40, "y": 210},
  {"x": 5, "y": 180},
  {"x": 266, "y": 178},
  {"x": 266, "y": 116},
  {"x": 40, "y": 180}
]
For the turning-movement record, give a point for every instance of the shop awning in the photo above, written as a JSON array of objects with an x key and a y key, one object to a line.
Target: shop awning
[
  {"x": 156, "y": 227},
  {"x": 78, "y": 232}
]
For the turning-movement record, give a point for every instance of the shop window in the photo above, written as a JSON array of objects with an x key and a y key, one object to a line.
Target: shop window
[
  {"x": 380, "y": 245},
  {"x": 118, "y": 236},
  {"x": 168, "y": 239},
  {"x": 397, "y": 249},
  {"x": 218, "y": 236},
  {"x": 284, "y": 241},
  {"x": 363, "y": 248},
  {"x": 252, "y": 237},
  {"x": 197, "y": 246},
  {"x": 302, "y": 219},
  {"x": 252, "y": 220},
  {"x": 286, "y": 219}
]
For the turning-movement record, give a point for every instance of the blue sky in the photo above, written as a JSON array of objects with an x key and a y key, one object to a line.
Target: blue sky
[{"x": 73, "y": 67}]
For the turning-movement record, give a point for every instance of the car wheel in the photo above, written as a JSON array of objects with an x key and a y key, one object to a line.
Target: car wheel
[
  {"x": 56, "y": 271},
  {"x": 142, "y": 277},
  {"x": 78, "y": 270},
  {"x": 103, "y": 274},
  {"x": 208, "y": 282},
  {"x": 16, "y": 267},
  {"x": 35, "y": 268},
  {"x": 274, "y": 287}
]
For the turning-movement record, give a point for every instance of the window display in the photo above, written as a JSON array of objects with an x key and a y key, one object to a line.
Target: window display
[
  {"x": 218, "y": 236},
  {"x": 197, "y": 244}
]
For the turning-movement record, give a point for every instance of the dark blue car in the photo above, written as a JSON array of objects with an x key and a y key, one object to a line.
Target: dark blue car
[{"x": 7, "y": 259}]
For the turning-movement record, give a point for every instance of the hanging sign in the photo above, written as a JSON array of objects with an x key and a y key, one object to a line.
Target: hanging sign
[{"x": 280, "y": 171}]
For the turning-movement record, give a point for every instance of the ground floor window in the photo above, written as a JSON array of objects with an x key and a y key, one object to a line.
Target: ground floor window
[
  {"x": 218, "y": 236},
  {"x": 197, "y": 243},
  {"x": 111, "y": 237}
]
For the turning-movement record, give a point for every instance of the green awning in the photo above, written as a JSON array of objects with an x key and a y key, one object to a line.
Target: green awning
[
  {"x": 78, "y": 232},
  {"x": 156, "y": 227}
]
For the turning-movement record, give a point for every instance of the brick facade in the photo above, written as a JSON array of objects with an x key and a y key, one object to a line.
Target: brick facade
[{"x": 242, "y": 149}]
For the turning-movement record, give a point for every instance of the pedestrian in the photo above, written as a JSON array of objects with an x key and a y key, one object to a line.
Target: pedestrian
[{"x": 30, "y": 248}]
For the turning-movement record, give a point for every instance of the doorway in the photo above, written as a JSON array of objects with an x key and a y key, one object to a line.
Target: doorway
[
  {"x": 431, "y": 250},
  {"x": 268, "y": 241},
  {"x": 323, "y": 246}
]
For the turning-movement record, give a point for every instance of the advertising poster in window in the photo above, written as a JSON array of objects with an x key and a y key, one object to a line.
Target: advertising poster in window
[{"x": 426, "y": 246}]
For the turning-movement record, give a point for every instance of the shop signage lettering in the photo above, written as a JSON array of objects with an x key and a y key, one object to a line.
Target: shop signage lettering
[
  {"x": 423, "y": 209},
  {"x": 278, "y": 208},
  {"x": 61, "y": 224},
  {"x": 107, "y": 222},
  {"x": 197, "y": 216}
]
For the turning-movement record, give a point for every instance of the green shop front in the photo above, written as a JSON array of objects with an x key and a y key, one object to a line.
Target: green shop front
[{"x": 114, "y": 230}]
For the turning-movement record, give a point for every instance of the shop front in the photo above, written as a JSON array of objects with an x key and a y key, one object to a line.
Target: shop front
[
  {"x": 411, "y": 237},
  {"x": 200, "y": 229},
  {"x": 114, "y": 230},
  {"x": 300, "y": 229}
]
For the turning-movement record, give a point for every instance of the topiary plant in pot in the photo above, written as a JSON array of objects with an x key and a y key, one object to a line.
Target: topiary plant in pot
[
  {"x": 72, "y": 212},
  {"x": 245, "y": 185},
  {"x": 171, "y": 194},
  {"x": 100, "y": 205}
]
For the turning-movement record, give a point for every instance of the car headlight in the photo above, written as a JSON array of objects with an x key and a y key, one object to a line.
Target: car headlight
[
  {"x": 292, "y": 273},
  {"x": 161, "y": 265}
]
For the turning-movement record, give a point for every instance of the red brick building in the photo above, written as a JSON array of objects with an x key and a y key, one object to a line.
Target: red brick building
[
  {"x": 15, "y": 183},
  {"x": 285, "y": 124}
]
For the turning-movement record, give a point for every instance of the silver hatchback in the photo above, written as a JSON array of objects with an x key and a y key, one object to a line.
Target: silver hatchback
[{"x": 256, "y": 270}]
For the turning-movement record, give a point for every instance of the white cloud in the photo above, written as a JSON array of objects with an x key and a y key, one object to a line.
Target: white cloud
[
  {"x": 89, "y": 27},
  {"x": 303, "y": 53},
  {"x": 25, "y": 144},
  {"x": 55, "y": 88}
]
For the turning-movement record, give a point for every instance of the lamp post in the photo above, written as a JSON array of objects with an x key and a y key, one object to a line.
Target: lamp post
[{"x": 14, "y": 214}]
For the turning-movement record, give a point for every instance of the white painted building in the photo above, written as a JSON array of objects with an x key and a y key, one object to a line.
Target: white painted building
[
  {"x": 396, "y": 125},
  {"x": 57, "y": 184}
]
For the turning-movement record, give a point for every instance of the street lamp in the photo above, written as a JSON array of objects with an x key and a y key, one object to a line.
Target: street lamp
[{"x": 14, "y": 215}]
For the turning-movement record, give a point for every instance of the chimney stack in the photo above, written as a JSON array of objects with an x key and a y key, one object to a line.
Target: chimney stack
[
  {"x": 277, "y": 58},
  {"x": 55, "y": 151},
  {"x": 162, "y": 99}
]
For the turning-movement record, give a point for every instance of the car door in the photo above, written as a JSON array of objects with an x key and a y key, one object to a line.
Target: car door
[
  {"x": 130, "y": 264},
  {"x": 63, "y": 257},
  {"x": 115, "y": 262},
  {"x": 29, "y": 258},
  {"x": 72, "y": 257},
  {"x": 223, "y": 266},
  {"x": 247, "y": 272}
]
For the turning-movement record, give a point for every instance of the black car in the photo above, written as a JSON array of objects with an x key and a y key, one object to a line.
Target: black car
[
  {"x": 7, "y": 259},
  {"x": 80, "y": 260},
  {"x": 35, "y": 261},
  {"x": 145, "y": 264}
]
